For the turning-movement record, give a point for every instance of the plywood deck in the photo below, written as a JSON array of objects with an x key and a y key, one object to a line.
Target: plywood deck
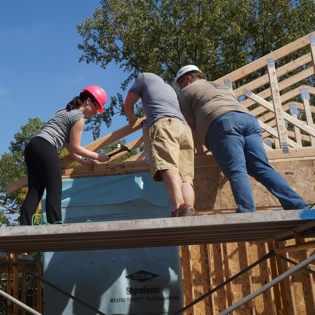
[{"x": 206, "y": 229}]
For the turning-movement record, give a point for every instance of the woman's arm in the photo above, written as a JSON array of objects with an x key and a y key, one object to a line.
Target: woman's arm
[{"x": 77, "y": 151}]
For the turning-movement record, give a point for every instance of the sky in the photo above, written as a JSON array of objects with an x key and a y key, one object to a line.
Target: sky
[{"x": 40, "y": 70}]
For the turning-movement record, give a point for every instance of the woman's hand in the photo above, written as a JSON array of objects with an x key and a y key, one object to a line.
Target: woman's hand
[
  {"x": 100, "y": 158},
  {"x": 103, "y": 158},
  {"x": 85, "y": 161}
]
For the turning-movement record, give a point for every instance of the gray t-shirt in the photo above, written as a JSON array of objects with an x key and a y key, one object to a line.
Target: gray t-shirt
[
  {"x": 159, "y": 99},
  {"x": 57, "y": 130}
]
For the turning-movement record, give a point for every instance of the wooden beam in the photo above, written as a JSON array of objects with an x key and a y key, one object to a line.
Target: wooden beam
[
  {"x": 287, "y": 117},
  {"x": 283, "y": 85},
  {"x": 139, "y": 156},
  {"x": 134, "y": 166},
  {"x": 310, "y": 88},
  {"x": 283, "y": 70},
  {"x": 312, "y": 48},
  {"x": 261, "y": 62},
  {"x": 295, "y": 153},
  {"x": 277, "y": 106},
  {"x": 305, "y": 95},
  {"x": 131, "y": 167},
  {"x": 120, "y": 168},
  {"x": 274, "y": 133},
  {"x": 272, "y": 123}
]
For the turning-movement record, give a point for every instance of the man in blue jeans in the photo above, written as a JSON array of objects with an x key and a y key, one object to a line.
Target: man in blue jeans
[{"x": 234, "y": 137}]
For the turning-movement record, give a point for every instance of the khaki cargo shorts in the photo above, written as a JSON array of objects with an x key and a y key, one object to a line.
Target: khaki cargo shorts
[{"x": 171, "y": 147}]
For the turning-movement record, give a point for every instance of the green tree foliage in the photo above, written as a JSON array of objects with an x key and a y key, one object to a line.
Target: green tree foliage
[
  {"x": 161, "y": 36},
  {"x": 12, "y": 167}
]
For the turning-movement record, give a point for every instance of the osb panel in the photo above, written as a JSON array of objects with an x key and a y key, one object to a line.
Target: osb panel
[
  {"x": 261, "y": 194},
  {"x": 227, "y": 260},
  {"x": 300, "y": 176},
  {"x": 227, "y": 200},
  {"x": 214, "y": 195},
  {"x": 206, "y": 185},
  {"x": 241, "y": 286},
  {"x": 186, "y": 277},
  {"x": 219, "y": 298},
  {"x": 300, "y": 286},
  {"x": 200, "y": 276},
  {"x": 260, "y": 275}
]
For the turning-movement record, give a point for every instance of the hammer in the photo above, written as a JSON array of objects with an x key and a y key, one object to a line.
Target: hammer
[{"x": 121, "y": 149}]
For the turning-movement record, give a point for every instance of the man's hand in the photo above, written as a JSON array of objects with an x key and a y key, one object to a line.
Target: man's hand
[
  {"x": 132, "y": 119},
  {"x": 129, "y": 104}
]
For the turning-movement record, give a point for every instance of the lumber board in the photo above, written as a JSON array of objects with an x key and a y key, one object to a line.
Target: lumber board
[
  {"x": 287, "y": 117},
  {"x": 283, "y": 70},
  {"x": 310, "y": 88},
  {"x": 282, "y": 130},
  {"x": 312, "y": 48},
  {"x": 282, "y": 139},
  {"x": 261, "y": 62},
  {"x": 134, "y": 166},
  {"x": 207, "y": 229},
  {"x": 283, "y": 85},
  {"x": 286, "y": 108}
]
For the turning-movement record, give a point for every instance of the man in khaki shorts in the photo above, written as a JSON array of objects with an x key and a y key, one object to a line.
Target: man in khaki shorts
[{"x": 172, "y": 147}]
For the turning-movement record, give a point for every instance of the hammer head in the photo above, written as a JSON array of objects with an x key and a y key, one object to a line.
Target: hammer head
[{"x": 123, "y": 148}]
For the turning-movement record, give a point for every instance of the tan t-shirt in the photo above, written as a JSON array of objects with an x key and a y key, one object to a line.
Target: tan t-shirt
[{"x": 207, "y": 101}]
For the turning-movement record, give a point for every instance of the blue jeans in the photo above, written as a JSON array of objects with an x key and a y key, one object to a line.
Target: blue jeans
[{"x": 235, "y": 140}]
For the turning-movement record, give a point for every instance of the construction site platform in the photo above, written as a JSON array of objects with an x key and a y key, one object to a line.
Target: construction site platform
[{"x": 261, "y": 226}]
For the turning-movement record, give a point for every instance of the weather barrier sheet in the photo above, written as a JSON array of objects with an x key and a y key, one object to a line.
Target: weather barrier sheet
[{"x": 123, "y": 281}]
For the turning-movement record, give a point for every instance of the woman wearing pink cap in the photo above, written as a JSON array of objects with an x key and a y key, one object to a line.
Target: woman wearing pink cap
[{"x": 64, "y": 129}]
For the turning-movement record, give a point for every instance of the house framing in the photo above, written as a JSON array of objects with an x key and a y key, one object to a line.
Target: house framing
[{"x": 261, "y": 263}]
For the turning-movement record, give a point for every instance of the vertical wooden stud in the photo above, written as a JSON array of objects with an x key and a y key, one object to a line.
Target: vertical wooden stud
[
  {"x": 305, "y": 95},
  {"x": 282, "y": 130}
]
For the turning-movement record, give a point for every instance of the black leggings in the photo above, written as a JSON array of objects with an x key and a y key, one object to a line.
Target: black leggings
[{"x": 43, "y": 171}]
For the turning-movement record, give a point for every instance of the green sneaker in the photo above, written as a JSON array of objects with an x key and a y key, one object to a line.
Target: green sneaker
[{"x": 37, "y": 219}]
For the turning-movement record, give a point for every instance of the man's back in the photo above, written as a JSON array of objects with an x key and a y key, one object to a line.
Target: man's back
[{"x": 159, "y": 99}]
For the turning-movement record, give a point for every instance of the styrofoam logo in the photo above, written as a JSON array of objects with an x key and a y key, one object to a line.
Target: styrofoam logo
[{"x": 142, "y": 276}]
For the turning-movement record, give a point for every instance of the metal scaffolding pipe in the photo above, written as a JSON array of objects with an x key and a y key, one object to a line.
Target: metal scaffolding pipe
[
  {"x": 295, "y": 263},
  {"x": 14, "y": 300},
  {"x": 268, "y": 285}
]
